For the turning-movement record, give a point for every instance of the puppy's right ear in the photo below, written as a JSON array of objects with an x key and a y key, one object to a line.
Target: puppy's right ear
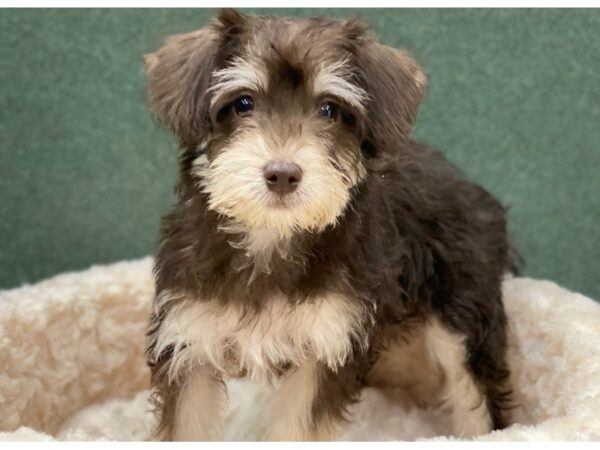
[{"x": 179, "y": 75}]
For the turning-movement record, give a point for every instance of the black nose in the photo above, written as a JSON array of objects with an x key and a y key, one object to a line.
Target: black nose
[{"x": 282, "y": 177}]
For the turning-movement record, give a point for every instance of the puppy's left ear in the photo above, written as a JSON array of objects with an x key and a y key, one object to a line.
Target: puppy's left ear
[{"x": 395, "y": 85}]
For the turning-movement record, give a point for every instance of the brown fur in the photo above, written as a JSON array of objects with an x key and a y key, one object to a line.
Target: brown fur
[{"x": 390, "y": 226}]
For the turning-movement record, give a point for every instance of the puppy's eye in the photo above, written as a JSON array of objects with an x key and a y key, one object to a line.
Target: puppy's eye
[
  {"x": 243, "y": 105},
  {"x": 329, "y": 110}
]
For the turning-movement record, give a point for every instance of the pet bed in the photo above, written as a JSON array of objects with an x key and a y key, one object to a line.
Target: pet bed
[{"x": 72, "y": 365}]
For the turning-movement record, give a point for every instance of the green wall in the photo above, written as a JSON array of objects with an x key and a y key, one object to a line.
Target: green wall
[{"x": 85, "y": 174}]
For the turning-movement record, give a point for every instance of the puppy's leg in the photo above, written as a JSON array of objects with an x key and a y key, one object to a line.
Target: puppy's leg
[
  {"x": 404, "y": 362},
  {"x": 308, "y": 403},
  {"x": 462, "y": 393},
  {"x": 191, "y": 408},
  {"x": 489, "y": 367},
  {"x": 473, "y": 399}
]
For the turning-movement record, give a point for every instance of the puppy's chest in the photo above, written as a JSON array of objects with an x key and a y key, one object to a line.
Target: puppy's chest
[{"x": 260, "y": 344}]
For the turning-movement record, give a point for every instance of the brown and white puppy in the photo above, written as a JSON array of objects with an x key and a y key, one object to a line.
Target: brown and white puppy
[{"x": 314, "y": 246}]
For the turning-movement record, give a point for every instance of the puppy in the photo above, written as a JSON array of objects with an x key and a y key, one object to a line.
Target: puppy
[{"x": 314, "y": 247}]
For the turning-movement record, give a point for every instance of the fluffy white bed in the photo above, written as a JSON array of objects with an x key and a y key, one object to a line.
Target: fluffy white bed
[{"x": 72, "y": 365}]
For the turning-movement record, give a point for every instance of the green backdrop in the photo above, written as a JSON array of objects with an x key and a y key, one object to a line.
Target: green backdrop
[{"x": 85, "y": 174}]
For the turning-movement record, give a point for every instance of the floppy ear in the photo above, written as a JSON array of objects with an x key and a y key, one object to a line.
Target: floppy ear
[
  {"x": 179, "y": 75},
  {"x": 395, "y": 85}
]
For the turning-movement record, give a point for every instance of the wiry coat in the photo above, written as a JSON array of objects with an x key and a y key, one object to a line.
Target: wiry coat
[{"x": 415, "y": 244}]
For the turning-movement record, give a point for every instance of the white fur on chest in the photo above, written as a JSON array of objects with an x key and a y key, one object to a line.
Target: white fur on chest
[{"x": 204, "y": 333}]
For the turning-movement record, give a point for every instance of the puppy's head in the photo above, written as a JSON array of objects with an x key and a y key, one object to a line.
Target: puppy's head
[{"x": 281, "y": 114}]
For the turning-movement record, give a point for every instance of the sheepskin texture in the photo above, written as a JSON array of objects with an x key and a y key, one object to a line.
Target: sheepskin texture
[{"x": 72, "y": 366}]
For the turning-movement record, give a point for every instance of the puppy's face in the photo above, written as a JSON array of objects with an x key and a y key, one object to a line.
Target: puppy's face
[
  {"x": 284, "y": 151},
  {"x": 281, "y": 114}
]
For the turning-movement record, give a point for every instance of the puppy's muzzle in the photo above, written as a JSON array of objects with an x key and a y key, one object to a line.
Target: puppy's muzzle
[{"x": 282, "y": 177}]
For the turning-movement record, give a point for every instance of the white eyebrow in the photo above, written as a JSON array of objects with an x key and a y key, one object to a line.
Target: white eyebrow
[
  {"x": 333, "y": 79},
  {"x": 240, "y": 74}
]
